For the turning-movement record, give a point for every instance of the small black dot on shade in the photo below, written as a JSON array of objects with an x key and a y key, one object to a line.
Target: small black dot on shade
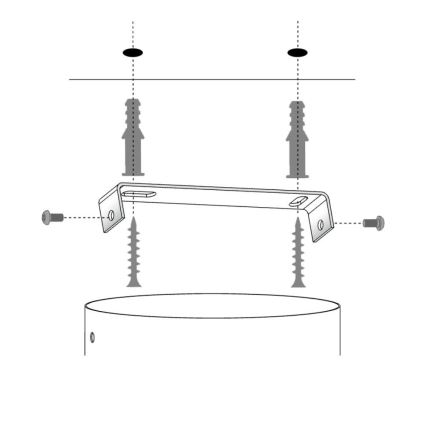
[
  {"x": 297, "y": 52},
  {"x": 132, "y": 52}
]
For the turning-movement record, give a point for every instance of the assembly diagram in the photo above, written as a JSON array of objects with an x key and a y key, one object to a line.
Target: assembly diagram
[{"x": 109, "y": 321}]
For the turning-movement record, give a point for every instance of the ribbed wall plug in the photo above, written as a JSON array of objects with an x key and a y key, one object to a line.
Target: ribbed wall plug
[
  {"x": 133, "y": 137},
  {"x": 297, "y": 138}
]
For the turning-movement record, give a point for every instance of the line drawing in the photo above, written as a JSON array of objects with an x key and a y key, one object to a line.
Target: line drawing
[
  {"x": 316, "y": 204},
  {"x": 296, "y": 317}
]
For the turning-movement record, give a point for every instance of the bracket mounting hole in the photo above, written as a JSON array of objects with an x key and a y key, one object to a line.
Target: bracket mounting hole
[
  {"x": 298, "y": 201},
  {"x": 92, "y": 337},
  {"x": 320, "y": 224},
  {"x": 111, "y": 215}
]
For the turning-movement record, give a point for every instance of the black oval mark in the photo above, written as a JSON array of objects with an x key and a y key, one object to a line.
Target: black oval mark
[
  {"x": 132, "y": 52},
  {"x": 297, "y": 52}
]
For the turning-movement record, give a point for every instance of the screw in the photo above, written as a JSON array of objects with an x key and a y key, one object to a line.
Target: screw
[
  {"x": 48, "y": 217},
  {"x": 378, "y": 223},
  {"x": 298, "y": 259},
  {"x": 134, "y": 248}
]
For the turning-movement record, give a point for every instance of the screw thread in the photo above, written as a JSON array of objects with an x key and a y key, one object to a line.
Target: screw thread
[
  {"x": 56, "y": 217},
  {"x": 369, "y": 223}
]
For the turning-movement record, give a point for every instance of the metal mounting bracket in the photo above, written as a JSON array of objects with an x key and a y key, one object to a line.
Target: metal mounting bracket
[{"x": 315, "y": 203}]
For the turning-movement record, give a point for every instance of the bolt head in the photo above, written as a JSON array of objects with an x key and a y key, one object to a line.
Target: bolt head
[
  {"x": 380, "y": 223},
  {"x": 45, "y": 217}
]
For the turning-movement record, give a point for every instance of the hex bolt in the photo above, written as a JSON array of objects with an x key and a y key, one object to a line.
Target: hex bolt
[
  {"x": 378, "y": 223},
  {"x": 48, "y": 217}
]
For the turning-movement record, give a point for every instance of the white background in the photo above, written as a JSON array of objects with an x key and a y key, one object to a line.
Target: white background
[{"x": 61, "y": 149}]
